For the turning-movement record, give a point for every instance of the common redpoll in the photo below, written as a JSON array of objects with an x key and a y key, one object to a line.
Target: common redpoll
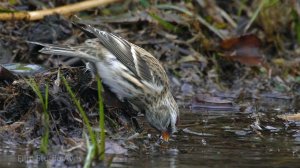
[{"x": 130, "y": 72}]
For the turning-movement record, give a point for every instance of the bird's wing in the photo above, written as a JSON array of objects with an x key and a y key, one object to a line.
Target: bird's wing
[
  {"x": 131, "y": 56},
  {"x": 124, "y": 51}
]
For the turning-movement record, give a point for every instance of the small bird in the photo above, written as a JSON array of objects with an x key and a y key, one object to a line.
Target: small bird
[{"x": 130, "y": 72}]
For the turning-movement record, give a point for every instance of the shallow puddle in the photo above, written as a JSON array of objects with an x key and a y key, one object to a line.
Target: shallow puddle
[
  {"x": 230, "y": 139},
  {"x": 253, "y": 136}
]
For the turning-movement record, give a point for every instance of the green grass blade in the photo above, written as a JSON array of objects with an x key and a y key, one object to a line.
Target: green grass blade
[
  {"x": 82, "y": 113},
  {"x": 44, "y": 101},
  {"x": 165, "y": 24},
  {"x": 91, "y": 148},
  {"x": 101, "y": 118}
]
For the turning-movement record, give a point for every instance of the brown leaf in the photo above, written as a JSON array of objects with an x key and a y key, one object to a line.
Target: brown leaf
[{"x": 244, "y": 49}]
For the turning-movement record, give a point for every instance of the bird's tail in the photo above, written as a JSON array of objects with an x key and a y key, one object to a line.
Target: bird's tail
[
  {"x": 64, "y": 50},
  {"x": 55, "y": 49}
]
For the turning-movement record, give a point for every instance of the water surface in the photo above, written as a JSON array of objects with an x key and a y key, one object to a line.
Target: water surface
[{"x": 248, "y": 137}]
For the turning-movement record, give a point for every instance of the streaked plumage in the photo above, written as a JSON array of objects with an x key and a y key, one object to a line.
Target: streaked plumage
[{"x": 130, "y": 72}]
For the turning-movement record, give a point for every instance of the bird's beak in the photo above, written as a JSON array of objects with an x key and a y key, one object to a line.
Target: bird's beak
[{"x": 166, "y": 136}]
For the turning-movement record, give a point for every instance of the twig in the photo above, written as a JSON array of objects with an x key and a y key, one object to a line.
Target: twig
[{"x": 63, "y": 10}]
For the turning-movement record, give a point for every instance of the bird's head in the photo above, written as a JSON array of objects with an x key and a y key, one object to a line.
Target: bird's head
[{"x": 164, "y": 115}]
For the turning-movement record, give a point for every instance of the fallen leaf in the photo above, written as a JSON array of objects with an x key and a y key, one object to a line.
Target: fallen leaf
[{"x": 244, "y": 49}]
